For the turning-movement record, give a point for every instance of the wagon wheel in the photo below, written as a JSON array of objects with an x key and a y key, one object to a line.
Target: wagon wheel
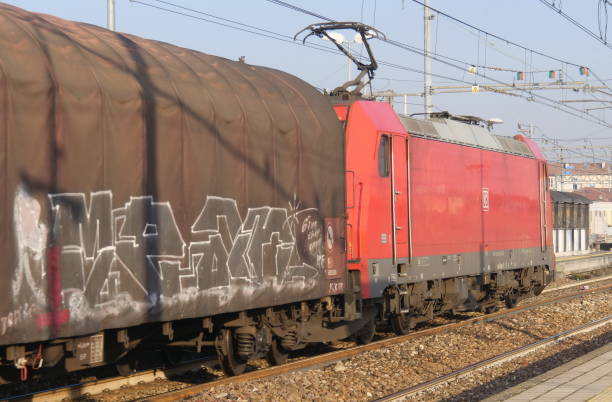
[
  {"x": 126, "y": 366},
  {"x": 402, "y": 323},
  {"x": 537, "y": 290},
  {"x": 366, "y": 333},
  {"x": 491, "y": 309},
  {"x": 173, "y": 357},
  {"x": 511, "y": 300},
  {"x": 230, "y": 362},
  {"x": 277, "y": 355},
  {"x": 8, "y": 375}
]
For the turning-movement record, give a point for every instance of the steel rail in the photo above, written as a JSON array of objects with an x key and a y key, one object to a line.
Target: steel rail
[
  {"x": 580, "y": 283},
  {"x": 332, "y": 357},
  {"x": 76, "y": 391},
  {"x": 495, "y": 360},
  {"x": 109, "y": 384},
  {"x": 583, "y": 257}
]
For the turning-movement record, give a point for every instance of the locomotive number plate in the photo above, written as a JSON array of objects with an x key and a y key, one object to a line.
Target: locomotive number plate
[{"x": 485, "y": 199}]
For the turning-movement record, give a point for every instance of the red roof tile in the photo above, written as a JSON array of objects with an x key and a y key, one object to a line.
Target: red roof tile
[
  {"x": 579, "y": 169},
  {"x": 596, "y": 194}
]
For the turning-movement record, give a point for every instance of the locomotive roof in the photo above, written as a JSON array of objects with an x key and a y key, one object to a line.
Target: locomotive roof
[{"x": 472, "y": 135}]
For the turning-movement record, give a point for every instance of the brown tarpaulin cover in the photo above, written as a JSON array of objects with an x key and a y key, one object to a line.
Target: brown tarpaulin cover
[{"x": 144, "y": 182}]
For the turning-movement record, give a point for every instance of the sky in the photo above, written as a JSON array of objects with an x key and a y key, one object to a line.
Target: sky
[{"x": 526, "y": 22}]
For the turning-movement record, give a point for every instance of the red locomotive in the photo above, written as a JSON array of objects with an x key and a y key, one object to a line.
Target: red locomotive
[
  {"x": 442, "y": 214},
  {"x": 158, "y": 197}
]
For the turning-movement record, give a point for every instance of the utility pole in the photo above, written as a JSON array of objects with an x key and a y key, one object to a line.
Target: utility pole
[
  {"x": 427, "y": 60},
  {"x": 111, "y": 15}
]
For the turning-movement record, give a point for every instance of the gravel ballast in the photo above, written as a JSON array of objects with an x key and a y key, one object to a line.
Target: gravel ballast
[{"x": 380, "y": 372}]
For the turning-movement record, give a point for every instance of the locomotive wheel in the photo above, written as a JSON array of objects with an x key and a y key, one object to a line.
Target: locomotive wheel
[
  {"x": 230, "y": 362},
  {"x": 276, "y": 355},
  {"x": 402, "y": 323},
  {"x": 366, "y": 333}
]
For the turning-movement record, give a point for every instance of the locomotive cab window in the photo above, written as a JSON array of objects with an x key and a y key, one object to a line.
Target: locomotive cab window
[{"x": 383, "y": 156}]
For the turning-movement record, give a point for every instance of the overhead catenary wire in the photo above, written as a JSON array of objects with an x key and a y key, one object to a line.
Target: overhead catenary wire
[
  {"x": 285, "y": 38},
  {"x": 562, "y": 148},
  {"x": 300, "y": 9},
  {"x": 265, "y": 31},
  {"x": 532, "y": 69},
  {"x": 602, "y": 19},
  {"x": 557, "y": 106},
  {"x": 576, "y": 23},
  {"x": 241, "y": 26},
  {"x": 508, "y": 41},
  {"x": 581, "y": 139},
  {"x": 531, "y": 94},
  {"x": 457, "y": 20},
  {"x": 437, "y": 56}
]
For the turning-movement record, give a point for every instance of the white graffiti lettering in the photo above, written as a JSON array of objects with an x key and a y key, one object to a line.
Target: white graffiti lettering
[{"x": 135, "y": 257}]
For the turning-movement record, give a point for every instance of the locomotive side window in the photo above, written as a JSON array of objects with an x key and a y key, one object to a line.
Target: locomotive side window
[{"x": 383, "y": 156}]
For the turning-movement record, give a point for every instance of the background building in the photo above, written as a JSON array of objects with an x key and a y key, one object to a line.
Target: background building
[
  {"x": 571, "y": 223},
  {"x": 600, "y": 214},
  {"x": 576, "y": 176}
]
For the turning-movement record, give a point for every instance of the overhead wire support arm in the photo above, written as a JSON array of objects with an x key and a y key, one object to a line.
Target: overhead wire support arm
[{"x": 510, "y": 42}]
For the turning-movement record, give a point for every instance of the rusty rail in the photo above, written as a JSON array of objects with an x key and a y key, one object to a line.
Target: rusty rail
[
  {"x": 91, "y": 388},
  {"x": 495, "y": 360}
]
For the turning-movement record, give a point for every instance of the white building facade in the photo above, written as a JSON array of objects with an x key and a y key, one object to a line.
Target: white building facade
[{"x": 600, "y": 214}]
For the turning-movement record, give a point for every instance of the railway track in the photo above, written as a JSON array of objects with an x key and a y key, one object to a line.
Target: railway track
[
  {"x": 495, "y": 360},
  {"x": 76, "y": 391},
  {"x": 98, "y": 386},
  {"x": 580, "y": 283}
]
